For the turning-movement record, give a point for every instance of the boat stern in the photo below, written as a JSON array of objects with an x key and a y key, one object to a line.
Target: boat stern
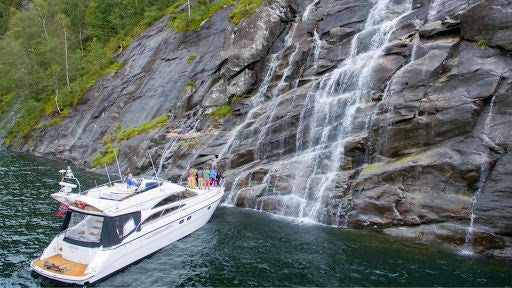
[{"x": 61, "y": 269}]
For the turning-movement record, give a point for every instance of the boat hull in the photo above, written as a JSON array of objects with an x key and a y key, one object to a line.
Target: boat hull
[{"x": 143, "y": 243}]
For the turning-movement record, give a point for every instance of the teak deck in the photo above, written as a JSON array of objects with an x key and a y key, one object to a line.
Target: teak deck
[{"x": 66, "y": 267}]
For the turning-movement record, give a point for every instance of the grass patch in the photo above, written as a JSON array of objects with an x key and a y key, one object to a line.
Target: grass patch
[
  {"x": 243, "y": 9},
  {"x": 191, "y": 143},
  {"x": 106, "y": 156},
  {"x": 191, "y": 58},
  {"x": 482, "y": 43},
  {"x": 201, "y": 10},
  {"x": 146, "y": 126},
  {"x": 221, "y": 112}
]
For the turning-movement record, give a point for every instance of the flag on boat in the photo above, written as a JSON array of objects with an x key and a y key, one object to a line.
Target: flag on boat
[{"x": 63, "y": 208}]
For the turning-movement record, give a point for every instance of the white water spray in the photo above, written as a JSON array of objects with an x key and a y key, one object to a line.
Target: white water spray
[{"x": 484, "y": 172}]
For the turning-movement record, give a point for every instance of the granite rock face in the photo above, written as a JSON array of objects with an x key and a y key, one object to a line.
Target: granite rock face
[{"x": 387, "y": 115}]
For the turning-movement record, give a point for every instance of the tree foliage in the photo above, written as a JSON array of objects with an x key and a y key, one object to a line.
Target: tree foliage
[
  {"x": 7, "y": 8},
  {"x": 52, "y": 51}
]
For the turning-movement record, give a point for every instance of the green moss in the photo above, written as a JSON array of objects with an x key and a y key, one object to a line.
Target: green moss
[
  {"x": 114, "y": 67},
  {"x": 191, "y": 143},
  {"x": 482, "y": 43},
  {"x": 191, "y": 58},
  {"x": 221, "y": 112},
  {"x": 117, "y": 127},
  {"x": 106, "y": 156},
  {"x": 5, "y": 101},
  {"x": 146, "y": 126},
  {"x": 243, "y": 9},
  {"x": 346, "y": 200},
  {"x": 108, "y": 139},
  {"x": 190, "y": 84},
  {"x": 179, "y": 20},
  {"x": 200, "y": 11}
]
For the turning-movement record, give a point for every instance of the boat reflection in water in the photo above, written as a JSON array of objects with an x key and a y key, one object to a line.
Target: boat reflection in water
[{"x": 110, "y": 226}]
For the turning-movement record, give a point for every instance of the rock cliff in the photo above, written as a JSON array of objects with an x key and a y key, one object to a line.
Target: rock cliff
[{"x": 391, "y": 114}]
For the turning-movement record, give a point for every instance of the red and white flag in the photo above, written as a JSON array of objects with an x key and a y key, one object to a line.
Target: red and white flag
[{"x": 63, "y": 208}]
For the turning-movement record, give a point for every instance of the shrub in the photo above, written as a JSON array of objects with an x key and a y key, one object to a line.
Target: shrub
[
  {"x": 482, "y": 43},
  {"x": 200, "y": 11},
  {"x": 106, "y": 156},
  {"x": 145, "y": 126}
]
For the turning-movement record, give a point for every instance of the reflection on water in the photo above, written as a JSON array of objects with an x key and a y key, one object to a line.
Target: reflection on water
[{"x": 236, "y": 248}]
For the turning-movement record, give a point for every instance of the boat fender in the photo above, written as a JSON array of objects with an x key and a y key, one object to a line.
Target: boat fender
[{"x": 80, "y": 204}]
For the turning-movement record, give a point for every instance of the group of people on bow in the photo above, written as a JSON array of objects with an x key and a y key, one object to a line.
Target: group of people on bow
[{"x": 203, "y": 178}]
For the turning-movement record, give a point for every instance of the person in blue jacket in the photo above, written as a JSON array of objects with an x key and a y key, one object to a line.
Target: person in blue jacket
[
  {"x": 129, "y": 180},
  {"x": 213, "y": 176}
]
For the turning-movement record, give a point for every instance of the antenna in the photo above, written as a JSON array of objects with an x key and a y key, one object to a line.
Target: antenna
[
  {"x": 109, "y": 182},
  {"x": 152, "y": 164},
  {"x": 118, "y": 169}
]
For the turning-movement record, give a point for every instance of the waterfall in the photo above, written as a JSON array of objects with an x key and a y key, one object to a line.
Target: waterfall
[
  {"x": 255, "y": 102},
  {"x": 308, "y": 10},
  {"x": 484, "y": 172},
  {"x": 325, "y": 124},
  {"x": 261, "y": 94},
  {"x": 332, "y": 106},
  {"x": 317, "y": 48},
  {"x": 277, "y": 90},
  {"x": 434, "y": 9}
]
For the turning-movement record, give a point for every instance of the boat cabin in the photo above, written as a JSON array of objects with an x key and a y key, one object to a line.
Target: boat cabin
[{"x": 93, "y": 230}]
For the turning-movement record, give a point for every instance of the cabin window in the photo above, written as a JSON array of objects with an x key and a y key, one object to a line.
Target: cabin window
[
  {"x": 94, "y": 231},
  {"x": 84, "y": 228},
  {"x": 161, "y": 213},
  {"x": 119, "y": 227},
  {"x": 176, "y": 197}
]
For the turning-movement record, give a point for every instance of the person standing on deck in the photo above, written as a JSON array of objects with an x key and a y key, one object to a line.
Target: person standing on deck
[
  {"x": 191, "y": 178},
  {"x": 206, "y": 176},
  {"x": 200, "y": 179},
  {"x": 213, "y": 176},
  {"x": 220, "y": 178}
]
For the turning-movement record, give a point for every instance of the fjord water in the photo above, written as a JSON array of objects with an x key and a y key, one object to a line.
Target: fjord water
[{"x": 238, "y": 247}]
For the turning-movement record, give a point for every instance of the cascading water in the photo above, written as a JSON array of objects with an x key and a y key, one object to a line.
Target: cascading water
[
  {"x": 253, "y": 118},
  {"x": 255, "y": 102},
  {"x": 484, "y": 172},
  {"x": 434, "y": 9},
  {"x": 327, "y": 122},
  {"x": 308, "y": 10},
  {"x": 318, "y": 48},
  {"x": 333, "y": 103}
]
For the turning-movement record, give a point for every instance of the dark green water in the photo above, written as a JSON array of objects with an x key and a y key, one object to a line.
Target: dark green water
[{"x": 237, "y": 248}]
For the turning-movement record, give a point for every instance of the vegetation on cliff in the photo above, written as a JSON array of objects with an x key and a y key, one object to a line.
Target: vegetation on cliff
[
  {"x": 52, "y": 52},
  {"x": 109, "y": 152}
]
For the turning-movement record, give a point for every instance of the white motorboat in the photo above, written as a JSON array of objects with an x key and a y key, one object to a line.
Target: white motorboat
[{"x": 110, "y": 226}]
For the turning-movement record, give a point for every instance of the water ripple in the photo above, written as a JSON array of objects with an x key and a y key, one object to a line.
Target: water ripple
[{"x": 237, "y": 248}]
